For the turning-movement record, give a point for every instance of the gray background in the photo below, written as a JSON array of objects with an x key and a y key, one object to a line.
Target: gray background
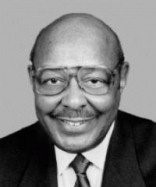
[{"x": 20, "y": 22}]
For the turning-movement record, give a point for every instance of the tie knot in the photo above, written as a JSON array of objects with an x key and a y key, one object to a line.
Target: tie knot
[{"x": 80, "y": 164}]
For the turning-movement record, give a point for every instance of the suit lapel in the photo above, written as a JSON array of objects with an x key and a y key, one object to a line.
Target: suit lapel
[
  {"x": 41, "y": 170},
  {"x": 121, "y": 168}
]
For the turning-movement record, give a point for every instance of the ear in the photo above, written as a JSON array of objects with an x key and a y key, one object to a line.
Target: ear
[
  {"x": 31, "y": 73},
  {"x": 123, "y": 75}
]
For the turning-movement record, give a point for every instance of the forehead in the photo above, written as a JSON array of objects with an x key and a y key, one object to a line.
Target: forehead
[{"x": 76, "y": 45}]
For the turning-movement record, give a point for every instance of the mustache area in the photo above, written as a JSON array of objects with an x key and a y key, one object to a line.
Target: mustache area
[{"x": 70, "y": 113}]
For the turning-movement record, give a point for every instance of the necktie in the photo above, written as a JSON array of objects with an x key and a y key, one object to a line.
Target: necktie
[{"x": 80, "y": 165}]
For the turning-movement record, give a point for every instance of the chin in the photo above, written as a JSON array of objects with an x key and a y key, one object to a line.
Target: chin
[
  {"x": 75, "y": 148},
  {"x": 78, "y": 144}
]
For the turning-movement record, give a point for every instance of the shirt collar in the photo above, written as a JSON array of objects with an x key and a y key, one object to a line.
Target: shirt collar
[
  {"x": 96, "y": 155},
  {"x": 63, "y": 159}
]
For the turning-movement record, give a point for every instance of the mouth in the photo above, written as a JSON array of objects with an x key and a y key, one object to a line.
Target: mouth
[
  {"x": 75, "y": 124},
  {"x": 75, "y": 121}
]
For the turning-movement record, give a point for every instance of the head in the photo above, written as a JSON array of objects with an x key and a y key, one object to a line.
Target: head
[{"x": 77, "y": 120}]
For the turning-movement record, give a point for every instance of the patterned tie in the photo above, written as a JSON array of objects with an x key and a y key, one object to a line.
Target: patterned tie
[{"x": 80, "y": 165}]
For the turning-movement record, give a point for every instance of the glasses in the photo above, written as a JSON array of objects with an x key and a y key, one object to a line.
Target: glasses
[{"x": 92, "y": 80}]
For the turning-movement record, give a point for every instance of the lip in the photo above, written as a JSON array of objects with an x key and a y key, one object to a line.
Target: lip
[
  {"x": 75, "y": 120},
  {"x": 75, "y": 125}
]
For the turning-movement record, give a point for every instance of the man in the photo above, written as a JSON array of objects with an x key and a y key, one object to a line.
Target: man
[{"x": 78, "y": 73}]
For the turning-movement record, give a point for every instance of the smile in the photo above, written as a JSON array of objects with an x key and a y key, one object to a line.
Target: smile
[{"x": 75, "y": 122}]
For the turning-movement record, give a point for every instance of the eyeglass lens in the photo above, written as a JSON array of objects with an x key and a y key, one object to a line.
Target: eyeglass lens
[{"x": 94, "y": 81}]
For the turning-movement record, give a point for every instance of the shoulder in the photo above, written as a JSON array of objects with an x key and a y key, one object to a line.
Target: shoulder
[
  {"x": 20, "y": 143},
  {"x": 21, "y": 151},
  {"x": 144, "y": 139},
  {"x": 134, "y": 119},
  {"x": 141, "y": 127},
  {"x": 144, "y": 130},
  {"x": 18, "y": 138}
]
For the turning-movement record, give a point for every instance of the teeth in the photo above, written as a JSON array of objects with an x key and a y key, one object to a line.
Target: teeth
[{"x": 71, "y": 123}]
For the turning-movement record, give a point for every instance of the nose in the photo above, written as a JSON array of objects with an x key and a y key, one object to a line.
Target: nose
[{"x": 74, "y": 97}]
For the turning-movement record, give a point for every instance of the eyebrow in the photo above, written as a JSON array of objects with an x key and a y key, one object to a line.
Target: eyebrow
[{"x": 72, "y": 67}]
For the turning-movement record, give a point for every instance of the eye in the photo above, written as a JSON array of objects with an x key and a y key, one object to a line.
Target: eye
[
  {"x": 53, "y": 81},
  {"x": 95, "y": 82}
]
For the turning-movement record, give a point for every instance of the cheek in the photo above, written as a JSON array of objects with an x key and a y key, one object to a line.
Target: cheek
[
  {"x": 105, "y": 103},
  {"x": 45, "y": 104}
]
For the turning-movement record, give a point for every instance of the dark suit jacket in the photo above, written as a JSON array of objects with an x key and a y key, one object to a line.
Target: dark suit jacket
[{"x": 27, "y": 157}]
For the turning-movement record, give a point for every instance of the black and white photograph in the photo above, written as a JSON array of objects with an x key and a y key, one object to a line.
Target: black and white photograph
[{"x": 78, "y": 93}]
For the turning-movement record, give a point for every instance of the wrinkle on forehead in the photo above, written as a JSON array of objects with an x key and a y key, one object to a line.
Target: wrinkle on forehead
[{"x": 78, "y": 29}]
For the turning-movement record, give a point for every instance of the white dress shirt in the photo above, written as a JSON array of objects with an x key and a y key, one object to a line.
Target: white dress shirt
[{"x": 66, "y": 176}]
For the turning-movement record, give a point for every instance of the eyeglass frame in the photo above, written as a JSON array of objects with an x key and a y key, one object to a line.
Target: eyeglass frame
[{"x": 34, "y": 73}]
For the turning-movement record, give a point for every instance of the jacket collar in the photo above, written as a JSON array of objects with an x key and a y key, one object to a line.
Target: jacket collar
[{"x": 122, "y": 167}]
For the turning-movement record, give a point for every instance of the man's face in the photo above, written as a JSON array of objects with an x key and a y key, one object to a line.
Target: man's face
[{"x": 77, "y": 121}]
